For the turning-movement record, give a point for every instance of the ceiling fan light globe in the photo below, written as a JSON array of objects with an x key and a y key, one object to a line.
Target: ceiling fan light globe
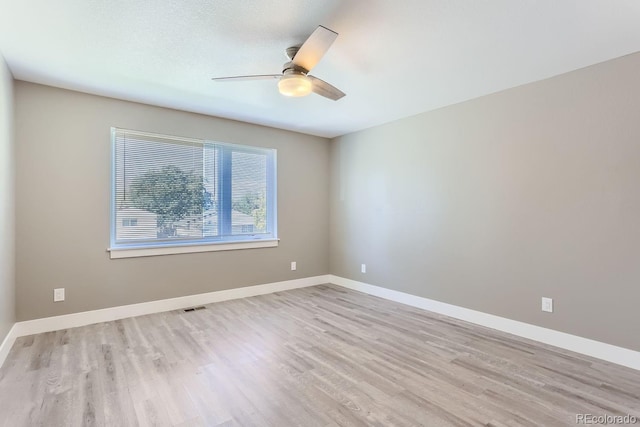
[{"x": 295, "y": 85}]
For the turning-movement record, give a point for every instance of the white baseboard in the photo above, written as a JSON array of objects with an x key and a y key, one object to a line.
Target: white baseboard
[
  {"x": 55, "y": 323},
  {"x": 7, "y": 343},
  {"x": 597, "y": 349}
]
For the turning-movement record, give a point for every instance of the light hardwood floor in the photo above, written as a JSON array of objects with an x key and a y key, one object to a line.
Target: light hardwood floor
[{"x": 318, "y": 356}]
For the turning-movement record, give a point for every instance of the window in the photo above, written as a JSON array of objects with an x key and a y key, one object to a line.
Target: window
[{"x": 176, "y": 195}]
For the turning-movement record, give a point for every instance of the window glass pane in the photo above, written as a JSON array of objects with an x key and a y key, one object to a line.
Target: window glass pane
[
  {"x": 210, "y": 227},
  {"x": 172, "y": 190},
  {"x": 249, "y": 193},
  {"x": 159, "y": 189}
]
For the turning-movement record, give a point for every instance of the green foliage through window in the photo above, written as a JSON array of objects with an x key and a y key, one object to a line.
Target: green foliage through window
[{"x": 172, "y": 194}]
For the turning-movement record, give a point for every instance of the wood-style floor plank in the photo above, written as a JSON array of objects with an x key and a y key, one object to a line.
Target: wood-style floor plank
[{"x": 320, "y": 356}]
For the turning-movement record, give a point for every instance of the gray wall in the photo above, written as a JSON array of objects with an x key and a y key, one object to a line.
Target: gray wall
[
  {"x": 496, "y": 202},
  {"x": 7, "y": 244},
  {"x": 62, "y": 206}
]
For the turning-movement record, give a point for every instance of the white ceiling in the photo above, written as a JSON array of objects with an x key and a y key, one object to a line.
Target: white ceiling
[{"x": 392, "y": 58}]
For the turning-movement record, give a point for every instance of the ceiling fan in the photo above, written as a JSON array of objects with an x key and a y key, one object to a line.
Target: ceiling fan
[{"x": 295, "y": 79}]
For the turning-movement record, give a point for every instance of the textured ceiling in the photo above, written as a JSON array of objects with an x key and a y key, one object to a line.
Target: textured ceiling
[{"x": 392, "y": 58}]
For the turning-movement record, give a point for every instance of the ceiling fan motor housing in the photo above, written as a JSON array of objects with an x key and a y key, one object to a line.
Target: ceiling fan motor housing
[{"x": 291, "y": 68}]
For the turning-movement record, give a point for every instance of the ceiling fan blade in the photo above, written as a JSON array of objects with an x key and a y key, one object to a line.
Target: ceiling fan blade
[
  {"x": 241, "y": 78},
  {"x": 314, "y": 48},
  {"x": 325, "y": 89}
]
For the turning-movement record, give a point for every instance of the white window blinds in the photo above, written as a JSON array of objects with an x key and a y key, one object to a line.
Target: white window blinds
[{"x": 179, "y": 191}]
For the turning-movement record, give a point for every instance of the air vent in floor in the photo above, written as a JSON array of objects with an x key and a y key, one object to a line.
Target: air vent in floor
[{"x": 187, "y": 310}]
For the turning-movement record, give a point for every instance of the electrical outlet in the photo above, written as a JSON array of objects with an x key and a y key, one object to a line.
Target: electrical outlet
[
  {"x": 547, "y": 304},
  {"x": 58, "y": 294},
  {"x": 363, "y": 268},
  {"x": 294, "y": 266}
]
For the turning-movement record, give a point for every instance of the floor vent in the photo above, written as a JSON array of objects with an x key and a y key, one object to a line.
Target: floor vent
[{"x": 187, "y": 310}]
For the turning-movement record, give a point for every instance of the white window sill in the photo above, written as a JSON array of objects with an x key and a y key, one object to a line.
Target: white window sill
[{"x": 116, "y": 253}]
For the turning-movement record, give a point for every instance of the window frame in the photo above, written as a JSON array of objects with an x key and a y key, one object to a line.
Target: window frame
[{"x": 155, "y": 247}]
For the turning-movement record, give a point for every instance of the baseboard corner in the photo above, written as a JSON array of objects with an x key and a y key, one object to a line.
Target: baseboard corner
[{"x": 7, "y": 343}]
